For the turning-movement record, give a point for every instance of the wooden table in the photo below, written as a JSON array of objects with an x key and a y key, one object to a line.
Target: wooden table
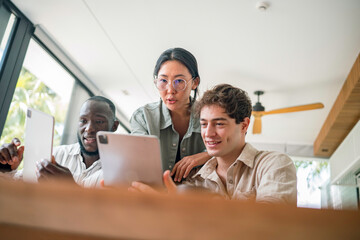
[{"x": 63, "y": 211}]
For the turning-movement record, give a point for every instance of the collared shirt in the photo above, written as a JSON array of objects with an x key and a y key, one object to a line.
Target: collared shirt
[
  {"x": 69, "y": 156},
  {"x": 259, "y": 175},
  {"x": 154, "y": 119}
]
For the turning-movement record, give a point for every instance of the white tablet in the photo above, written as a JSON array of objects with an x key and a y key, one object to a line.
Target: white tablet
[
  {"x": 39, "y": 132},
  {"x": 126, "y": 158}
]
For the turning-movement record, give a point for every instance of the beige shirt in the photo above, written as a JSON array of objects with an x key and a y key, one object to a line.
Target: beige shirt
[{"x": 259, "y": 175}]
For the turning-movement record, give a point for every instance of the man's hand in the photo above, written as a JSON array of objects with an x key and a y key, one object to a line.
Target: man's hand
[
  {"x": 144, "y": 188},
  {"x": 184, "y": 166},
  {"x": 11, "y": 154},
  {"x": 51, "y": 170}
]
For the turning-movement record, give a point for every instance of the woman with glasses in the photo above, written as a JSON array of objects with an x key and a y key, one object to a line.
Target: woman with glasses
[{"x": 171, "y": 119}]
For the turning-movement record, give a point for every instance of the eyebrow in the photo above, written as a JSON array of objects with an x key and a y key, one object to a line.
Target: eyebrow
[
  {"x": 178, "y": 75},
  {"x": 96, "y": 115},
  {"x": 215, "y": 119}
]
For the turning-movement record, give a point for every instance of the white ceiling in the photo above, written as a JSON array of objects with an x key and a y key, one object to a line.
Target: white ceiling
[{"x": 298, "y": 52}]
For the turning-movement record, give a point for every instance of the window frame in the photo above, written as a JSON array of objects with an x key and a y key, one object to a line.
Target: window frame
[
  {"x": 25, "y": 30},
  {"x": 13, "y": 59}
]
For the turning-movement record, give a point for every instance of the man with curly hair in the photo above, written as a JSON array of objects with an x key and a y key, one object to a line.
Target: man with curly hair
[{"x": 236, "y": 170}]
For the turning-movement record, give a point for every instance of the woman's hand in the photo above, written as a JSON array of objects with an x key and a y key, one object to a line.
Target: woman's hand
[{"x": 184, "y": 166}]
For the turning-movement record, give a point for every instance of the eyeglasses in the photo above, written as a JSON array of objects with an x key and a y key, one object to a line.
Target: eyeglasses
[{"x": 163, "y": 84}]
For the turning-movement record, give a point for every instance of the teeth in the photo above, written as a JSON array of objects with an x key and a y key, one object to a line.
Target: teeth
[
  {"x": 213, "y": 143},
  {"x": 90, "y": 140}
]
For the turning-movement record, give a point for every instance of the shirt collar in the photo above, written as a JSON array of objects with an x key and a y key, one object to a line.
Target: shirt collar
[
  {"x": 247, "y": 156},
  {"x": 75, "y": 150},
  {"x": 208, "y": 169},
  {"x": 165, "y": 117},
  {"x": 165, "y": 120}
]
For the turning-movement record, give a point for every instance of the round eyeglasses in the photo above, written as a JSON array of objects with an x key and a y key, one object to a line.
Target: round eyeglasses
[{"x": 163, "y": 84}]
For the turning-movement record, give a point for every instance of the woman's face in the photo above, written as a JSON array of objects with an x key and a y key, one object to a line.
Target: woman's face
[{"x": 175, "y": 70}]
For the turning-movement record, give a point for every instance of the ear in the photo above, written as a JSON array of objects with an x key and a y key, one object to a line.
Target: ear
[
  {"x": 245, "y": 125},
  {"x": 195, "y": 84},
  {"x": 115, "y": 126}
]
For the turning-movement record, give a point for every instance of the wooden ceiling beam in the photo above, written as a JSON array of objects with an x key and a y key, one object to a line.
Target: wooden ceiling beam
[{"x": 343, "y": 116}]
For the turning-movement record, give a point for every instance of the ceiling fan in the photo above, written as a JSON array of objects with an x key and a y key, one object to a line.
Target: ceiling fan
[{"x": 259, "y": 111}]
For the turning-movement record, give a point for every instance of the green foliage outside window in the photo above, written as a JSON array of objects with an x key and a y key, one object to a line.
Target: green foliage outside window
[
  {"x": 317, "y": 168},
  {"x": 31, "y": 92}
]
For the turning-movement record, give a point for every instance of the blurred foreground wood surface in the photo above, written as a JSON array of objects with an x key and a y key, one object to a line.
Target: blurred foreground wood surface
[{"x": 63, "y": 211}]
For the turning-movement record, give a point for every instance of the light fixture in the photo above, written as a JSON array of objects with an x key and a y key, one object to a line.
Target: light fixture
[{"x": 262, "y": 6}]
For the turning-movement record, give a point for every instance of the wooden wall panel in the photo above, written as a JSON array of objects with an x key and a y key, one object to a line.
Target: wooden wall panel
[{"x": 342, "y": 117}]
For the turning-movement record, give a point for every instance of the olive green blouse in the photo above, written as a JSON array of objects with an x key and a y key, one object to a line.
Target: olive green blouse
[{"x": 154, "y": 119}]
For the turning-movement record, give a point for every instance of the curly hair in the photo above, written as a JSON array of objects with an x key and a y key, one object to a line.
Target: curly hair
[{"x": 235, "y": 101}]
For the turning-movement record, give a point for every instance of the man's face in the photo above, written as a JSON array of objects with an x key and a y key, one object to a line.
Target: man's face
[
  {"x": 222, "y": 136},
  {"x": 94, "y": 116}
]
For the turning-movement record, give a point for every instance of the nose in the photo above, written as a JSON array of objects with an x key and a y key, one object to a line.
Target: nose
[
  {"x": 210, "y": 131},
  {"x": 90, "y": 127},
  {"x": 170, "y": 88}
]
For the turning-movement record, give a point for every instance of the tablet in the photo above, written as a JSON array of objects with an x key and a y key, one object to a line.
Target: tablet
[
  {"x": 126, "y": 158},
  {"x": 39, "y": 132}
]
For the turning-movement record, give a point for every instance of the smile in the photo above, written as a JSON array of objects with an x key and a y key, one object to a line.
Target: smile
[
  {"x": 89, "y": 140},
  {"x": 212, "y": 143}
]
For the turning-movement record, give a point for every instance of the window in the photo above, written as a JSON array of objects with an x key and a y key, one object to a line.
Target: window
[
  {"x": 7, "y": 23},
  {"x": 44, "y": 85},
  {"x": 311, "y": 175}
]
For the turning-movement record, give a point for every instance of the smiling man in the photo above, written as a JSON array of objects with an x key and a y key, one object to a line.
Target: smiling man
[
  {"x": 236, "y": 170},
  {"x": 77, "y": 162}
]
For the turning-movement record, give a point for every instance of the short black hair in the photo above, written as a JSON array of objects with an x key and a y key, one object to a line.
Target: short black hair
[
  {"x": 183, "y": 56},
  {"x": 235, "y": 101},
  {"x": 106, "y": 100}
]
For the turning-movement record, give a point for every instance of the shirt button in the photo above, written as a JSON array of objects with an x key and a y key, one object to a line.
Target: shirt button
[
  {"x": 170, "y": 166},
  {"x": 183, "y": 149},
  {"x": 231, "y": 181},
  {"x": 174, "y": 144}
]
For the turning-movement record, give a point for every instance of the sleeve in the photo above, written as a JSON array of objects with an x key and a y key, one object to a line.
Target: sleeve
[
  {"x": 138, "y": 123},
  {"x": 277, "y": 180},
  {"x": 12, "y": 175},
  {"x": 58, "y": 153}
]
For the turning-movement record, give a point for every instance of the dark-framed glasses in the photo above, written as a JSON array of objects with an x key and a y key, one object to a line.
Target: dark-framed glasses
[{"x": 163, "y": 84}]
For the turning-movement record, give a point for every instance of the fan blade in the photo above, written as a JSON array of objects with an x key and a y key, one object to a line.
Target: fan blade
[
  {"x": 257, "y": 125},
  {"x": 296, "y": 108}
]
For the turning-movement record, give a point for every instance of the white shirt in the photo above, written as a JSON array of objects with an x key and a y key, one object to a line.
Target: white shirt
[{"x": 69, "y": 156}]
